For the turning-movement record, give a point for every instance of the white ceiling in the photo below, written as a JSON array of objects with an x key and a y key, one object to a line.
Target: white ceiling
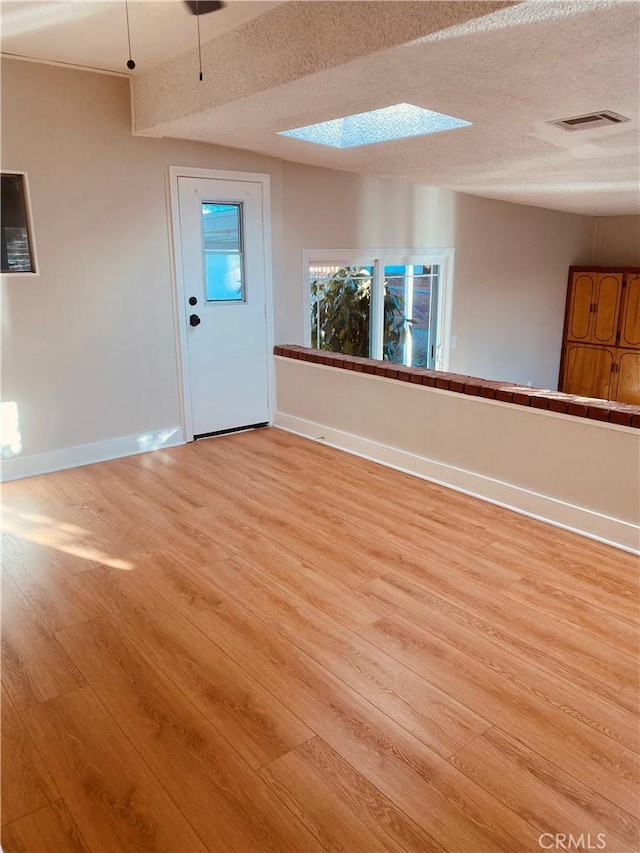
[
  {"x": 509, "y": 72},
  {"x": 93, "y": 33}
]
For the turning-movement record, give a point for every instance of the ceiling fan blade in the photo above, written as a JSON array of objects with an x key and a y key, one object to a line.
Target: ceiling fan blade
[{"x": 203, "y": 7}]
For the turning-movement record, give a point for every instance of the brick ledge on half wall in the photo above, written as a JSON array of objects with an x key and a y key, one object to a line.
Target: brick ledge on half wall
[{"x": 622, "y": 414}]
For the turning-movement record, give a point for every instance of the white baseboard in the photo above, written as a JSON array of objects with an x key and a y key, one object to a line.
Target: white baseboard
[
  {"x": 18, "y": 467},
  {"x": 577, "y": 519}
]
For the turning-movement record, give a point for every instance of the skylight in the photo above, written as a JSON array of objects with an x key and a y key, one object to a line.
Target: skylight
[{"x": 396, "y": 122}]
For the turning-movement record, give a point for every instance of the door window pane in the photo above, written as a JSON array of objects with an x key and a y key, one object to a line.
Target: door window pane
[
  {"x": 223, "y": 252},
  {"x": 341, "y": 308},
  {"x": 17, "y": 247}
]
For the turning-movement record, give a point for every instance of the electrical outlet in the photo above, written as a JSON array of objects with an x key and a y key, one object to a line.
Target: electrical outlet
[{"x": 529, "y": 384}]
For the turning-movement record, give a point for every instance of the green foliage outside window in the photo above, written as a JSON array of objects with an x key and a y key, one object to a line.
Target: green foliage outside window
[{"x": 340, "y": 312}]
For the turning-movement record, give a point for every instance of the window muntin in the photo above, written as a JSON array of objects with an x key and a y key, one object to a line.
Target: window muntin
[
  {"x": 223, "y": 252},
  {"x": 18, "y": 254}
]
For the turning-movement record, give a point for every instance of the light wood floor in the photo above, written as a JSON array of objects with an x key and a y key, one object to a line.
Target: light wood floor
[{"x": 258, "y": 643}]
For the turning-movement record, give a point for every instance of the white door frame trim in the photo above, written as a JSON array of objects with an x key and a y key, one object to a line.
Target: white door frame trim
[{"x": 178, "y": 289}]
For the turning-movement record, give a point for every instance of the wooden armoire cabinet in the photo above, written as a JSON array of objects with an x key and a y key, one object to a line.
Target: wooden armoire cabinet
[{"x": 601, "y": 346}]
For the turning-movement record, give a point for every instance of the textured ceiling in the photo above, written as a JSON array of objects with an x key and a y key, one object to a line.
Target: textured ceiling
[{"x": 508, "y": 68}]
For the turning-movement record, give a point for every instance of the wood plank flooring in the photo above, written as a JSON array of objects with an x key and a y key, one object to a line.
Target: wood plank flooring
[{"x": 257, "y": 643}]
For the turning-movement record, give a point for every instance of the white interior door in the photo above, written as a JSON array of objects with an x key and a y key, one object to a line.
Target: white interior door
[{"x": 224, "y": 292}]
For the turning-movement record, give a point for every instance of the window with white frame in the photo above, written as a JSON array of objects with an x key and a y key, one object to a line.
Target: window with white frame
[{"x": 390, "y": 305}]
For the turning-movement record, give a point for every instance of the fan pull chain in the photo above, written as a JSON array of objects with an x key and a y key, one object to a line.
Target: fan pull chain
[
  {"x": 199, "y": 42},
  {"x": 130, "y": 63}
]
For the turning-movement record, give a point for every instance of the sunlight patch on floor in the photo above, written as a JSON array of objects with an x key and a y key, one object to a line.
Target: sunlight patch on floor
[{"x": 59, "y": 535}]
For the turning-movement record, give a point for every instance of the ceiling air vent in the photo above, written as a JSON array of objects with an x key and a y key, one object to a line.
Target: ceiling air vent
[{"x": 591, "y": 120}]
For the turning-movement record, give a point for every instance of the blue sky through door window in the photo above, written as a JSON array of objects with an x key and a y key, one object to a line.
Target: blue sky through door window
[{"x": 223, "y": 251}]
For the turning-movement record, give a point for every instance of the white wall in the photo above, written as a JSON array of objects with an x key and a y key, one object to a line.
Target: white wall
[
  {"x": 88, "y": 345},
  {"x": 510, "y": 288},
  {"x": 616, "y": 241},
  {"x": 511, "y": 261},
  {"x": 573, "y": 472}
]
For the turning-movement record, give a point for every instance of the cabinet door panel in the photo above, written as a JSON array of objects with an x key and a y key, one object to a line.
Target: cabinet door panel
[
  {"x": 581, "y": 297},
  {"x": 630, "y": 323},
  {"x": 629, "y": 377},
  {"x": 608, "y": 292},
  {"x": 588, "y": 371}
]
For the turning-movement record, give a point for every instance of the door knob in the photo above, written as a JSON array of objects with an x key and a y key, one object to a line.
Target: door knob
[{"x": 194, "y": 320}]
